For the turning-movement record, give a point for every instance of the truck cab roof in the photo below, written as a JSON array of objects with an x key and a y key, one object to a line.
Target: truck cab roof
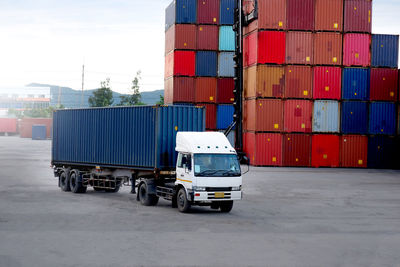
[{"x": 203, "y": 142}]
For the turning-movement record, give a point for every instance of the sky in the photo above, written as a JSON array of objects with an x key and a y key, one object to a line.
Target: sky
[{"x": 48, "y": 41}]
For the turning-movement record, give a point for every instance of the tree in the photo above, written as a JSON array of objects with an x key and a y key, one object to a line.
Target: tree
[
  {"x": 161, "y": 101},
  {"x": 134, "y": 98},
  {"x": 102, "y": 97}
]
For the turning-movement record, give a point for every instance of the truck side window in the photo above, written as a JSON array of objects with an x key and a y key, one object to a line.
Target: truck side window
[
  {"x": 189, "y": 162},
  {"x": 185, "y": 161},
  {"x": 180, "y": 165}
]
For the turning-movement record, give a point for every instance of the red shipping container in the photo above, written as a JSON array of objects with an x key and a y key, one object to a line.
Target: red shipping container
[
  {"x": 328, "y": 48},
  {"x": 206, "y": 90},
  {"x": 325, "y": 151},
  {"x": 264, "y": 81},
  {"x": 27, "y": 123},
  {"x": 208, "y": 12},
  {"x": 271, "y": 14},
  {"x": 297, "y": 150},
  {"x": 356, "y": 50},
  {"x": 328, "y": 15},
  {"x": 179, "y": 90},
  {"x": 357, "y": 16},
  {"x": 8, "y": 125},
  {"x": 299, "y": 48},
  {"x": 180, "y": 36},
  {"x": 207, "y": 37},
  {"x": 180, "y": 63},
  {"x": 253, "y": 26},
  {"x": 299, "y": 81},
  {"x": 263, "y": 149},
  {"x": 353, "y": 151},
  {"x": 298, "y": 116},
  {"x": 211, "y": 115},
  {"x": 384, "y": 84},
  {"x": 225, "y": 87},
  {"x": 264, "y": 47},
  {"x": 327, "y": 82},
  {"x": 300, "y": 15},
  {"x": 263, "y": 115}
]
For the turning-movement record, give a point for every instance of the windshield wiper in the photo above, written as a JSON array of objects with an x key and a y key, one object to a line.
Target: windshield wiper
[
  {"x": 235, "y": 173},
  {"x": 206, "y": 172}
]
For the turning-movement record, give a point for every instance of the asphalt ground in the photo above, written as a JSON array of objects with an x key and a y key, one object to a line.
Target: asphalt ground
[{"x": 288, "y": 217}]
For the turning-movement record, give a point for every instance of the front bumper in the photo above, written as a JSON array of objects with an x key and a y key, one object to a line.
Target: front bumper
[{"x": 217, "y": 196}]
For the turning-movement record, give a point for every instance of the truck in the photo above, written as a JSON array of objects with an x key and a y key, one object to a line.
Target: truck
[{"x": 160, "y": 151}]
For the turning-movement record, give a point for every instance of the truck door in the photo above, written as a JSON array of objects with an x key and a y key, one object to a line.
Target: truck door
[{"x": 184, "y": 169}]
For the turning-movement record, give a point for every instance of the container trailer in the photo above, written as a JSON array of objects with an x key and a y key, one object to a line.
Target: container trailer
[{"x": 163, "y": 151}]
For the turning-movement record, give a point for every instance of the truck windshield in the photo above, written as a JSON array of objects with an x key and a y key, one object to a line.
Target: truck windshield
[{"x": 216, "y": 165}]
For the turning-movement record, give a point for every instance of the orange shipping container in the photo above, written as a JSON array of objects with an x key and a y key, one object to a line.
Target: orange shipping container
[
  {"x": 328, "y": 15},
  {"x": 206, "y": 90},
  {"x": 328, "y": 48},
  {"x": 353, "y": 151},
  {"x": 264, "y": 81},
  {"x": 298, "y": 116},
  {"x": 298, "y": 82},
  {"x": 27, "y": 123},
  {"x": 180, "y": 36},
  {"x": 263, "y": 115},
  {"x": 299, "y": 48},
  {"x": 263, "y": 149},
  {"x": 179, "y": 89}
]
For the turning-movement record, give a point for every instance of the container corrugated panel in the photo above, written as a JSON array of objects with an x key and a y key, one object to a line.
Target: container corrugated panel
[
  {"x": 27, "y": 123},
  {"x": 263, "y": 115},
  {"x": 297, "y": 150},
  {"x": 384, "y": 84},
  {"x": 208, "y": 12},
  {"x": 8, "y": 125},
  {"x": 39, "y": 132},
  {"x": 180, "y": 63},
  {"x": 328, "y": 15},
  {"x": 226, "y": 64},
  {"x": 206, "y": 90},
  {"x": 248, "y": 6},
  {"x": 353, "y": 151},
  {"x": 207, "y": 37},
  {"x": 327, "y": 83},
  {"x": 385, "y": 50},
  {"x": 299, "y": 48},
  {"x": 271, "y": 47},
  {"x": 263, "y": 149},
  {"x": 179, "y": 89},
  {"x": 206, "y": 63},
  {"x": 382, "y": 118},
  {"x": 250, "y": 49},
  {"x": 383, "y": 152},
  {"x": 224, "y": 116},
  {"x": 253, "y": 26},
  {"x": 300, "y": 14},
  {"x": 227, "y": 11},
  {"x": 326, "y": 116},
  {"x": 356, "y": 50},
  {"x": 325, "y": 151},
  {"x": 298, "y": 116},
  {"x": 357, "y": 16},
  {"x": 180, "y": 36},
  {"x": 328, "y": 48},
  {"x": 226, "y": 38},
  {"x": 354, "y": 117},
  {"x": 225, "y": 87},
  {"x": 211, "y": 115},
  {"x": 272, "y": 14},
  {"x": 355, "y": 83},
  {"x": 179, "y": 12},
  {"x": 298, "y": 82},
  {"x": 146, "y": 136},
  {"x": 264, "y": 81}
]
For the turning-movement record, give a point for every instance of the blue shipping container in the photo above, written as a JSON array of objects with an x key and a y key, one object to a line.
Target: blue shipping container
[
  {"x": 39, "y": 132},
  {"x": 382, "y": 152},
  {"x": 356, "y": 83},
  {"x": 385, "y": 50},
  {"x": 382, "y": 118},
  {"x": 206, "y": 64},
  {"x": 224, "y": 116},
  {"x": 226, "y": 64},
  {"x": 226, "y": 38},
  {"x": 227, "y": 12},
  {"x": 133, "y": 137},
  {"x": 354, "y": 117},
  {"x": 180, "y": 12},
  {"x": 326, "y": 116}
]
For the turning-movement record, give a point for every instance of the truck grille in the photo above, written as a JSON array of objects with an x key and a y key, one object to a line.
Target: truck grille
[{"x": 218, "y": 189}]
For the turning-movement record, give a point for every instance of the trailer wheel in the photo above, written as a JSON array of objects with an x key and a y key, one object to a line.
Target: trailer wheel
[
  {"x": 226, "y": 206},
  {"x": 76, "y": 185},
  {"x": 182, "y": 201},
  {"x": 64, "y": 182},
  {"x": 145, "y": 198}
]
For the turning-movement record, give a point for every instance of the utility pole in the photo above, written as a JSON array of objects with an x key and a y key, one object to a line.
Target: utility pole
[{"x": 83, "y": 83}]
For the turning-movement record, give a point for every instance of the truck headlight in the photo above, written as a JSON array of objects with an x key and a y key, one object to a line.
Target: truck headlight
[
  {"x": 236, "y": 188},
  {"x": 199, "y": 188}
]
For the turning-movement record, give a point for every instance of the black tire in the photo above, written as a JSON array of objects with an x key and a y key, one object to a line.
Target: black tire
[
  {"x": 76, "y": 185},
  {"x": 115, "y": 190},
  {"x": 145, "y": 198},
  {"x": 64, "y": 182},
  {"x": 226, "y": 206},
  {"x": 182, "y": 201}
]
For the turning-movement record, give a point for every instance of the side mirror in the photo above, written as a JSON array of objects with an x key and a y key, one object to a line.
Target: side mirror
[{"x": 246, "y": 160}]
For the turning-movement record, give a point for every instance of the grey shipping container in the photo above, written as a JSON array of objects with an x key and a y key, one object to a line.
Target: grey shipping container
[
  {"x": 326, "y": 116},
  {"x": 226, "y": 64}
]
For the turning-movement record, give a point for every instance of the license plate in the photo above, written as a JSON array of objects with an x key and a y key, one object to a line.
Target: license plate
[{"x": 219, "y": 195}]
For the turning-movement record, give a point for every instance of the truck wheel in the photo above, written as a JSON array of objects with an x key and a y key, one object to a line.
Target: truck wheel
[
  {"x": 115, "y": 190},
  {"x": 64, "y": 182},
  {"x": 182, "y": 201},
  {"x": 76, "y": 185},
  {"x": 226, "y": 206},
  {"x": 145, "y": 198}
]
